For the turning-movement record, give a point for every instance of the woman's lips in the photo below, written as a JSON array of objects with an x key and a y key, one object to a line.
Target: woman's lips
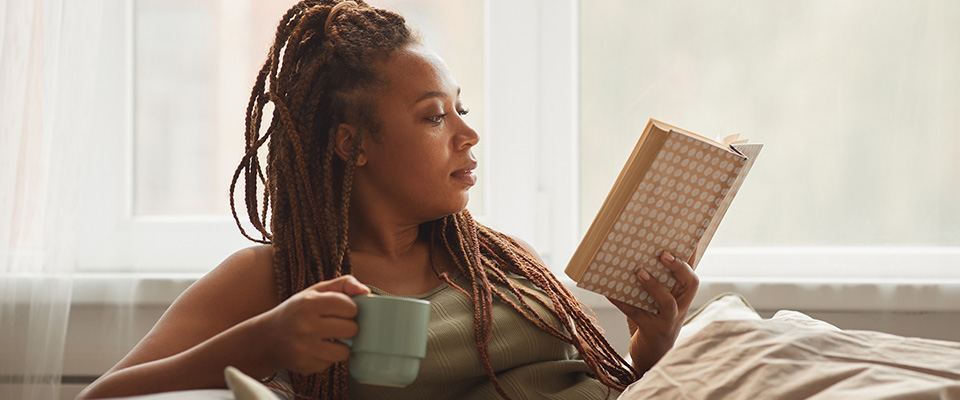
[{"x": 466, "y": 176}]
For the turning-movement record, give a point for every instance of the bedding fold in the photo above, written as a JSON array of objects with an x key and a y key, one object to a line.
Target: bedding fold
[{"x": 793, "y": 356}]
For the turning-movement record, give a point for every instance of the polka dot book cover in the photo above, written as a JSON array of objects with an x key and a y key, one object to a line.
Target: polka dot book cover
[{"x": 670, "y": 195}]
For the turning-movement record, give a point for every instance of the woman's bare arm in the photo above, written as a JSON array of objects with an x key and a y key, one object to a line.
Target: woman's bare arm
[{"x": 231, "y": 317}]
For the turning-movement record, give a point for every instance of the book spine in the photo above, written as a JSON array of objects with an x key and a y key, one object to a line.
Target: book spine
[{"x": 639, "y": 162}]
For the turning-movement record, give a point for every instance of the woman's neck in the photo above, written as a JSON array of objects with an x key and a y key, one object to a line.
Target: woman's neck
[
  {"x": 390, "y": 241},
  {"x": 396, "y": 258}
]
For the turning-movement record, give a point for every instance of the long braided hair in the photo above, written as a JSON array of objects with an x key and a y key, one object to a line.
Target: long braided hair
[{"x": 319, "y": 73}]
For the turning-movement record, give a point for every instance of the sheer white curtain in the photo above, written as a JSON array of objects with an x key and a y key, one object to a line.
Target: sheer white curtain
[{"x": 48, "y": 54}]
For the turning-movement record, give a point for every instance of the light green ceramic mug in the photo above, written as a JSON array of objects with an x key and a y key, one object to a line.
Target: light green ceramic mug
[{"x": 391, "y": 341}]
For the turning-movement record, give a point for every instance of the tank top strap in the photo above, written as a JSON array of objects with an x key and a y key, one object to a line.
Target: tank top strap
[{"x": 423, "y": 296}]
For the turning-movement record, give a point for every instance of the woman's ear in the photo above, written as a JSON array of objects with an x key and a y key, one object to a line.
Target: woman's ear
[{"x": 343, "y": 143}]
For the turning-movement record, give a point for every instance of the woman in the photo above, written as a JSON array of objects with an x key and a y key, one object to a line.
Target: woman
[{"x": 367, "y": 176}]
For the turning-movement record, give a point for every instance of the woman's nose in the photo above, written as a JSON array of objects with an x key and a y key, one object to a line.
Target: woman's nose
[{"x": 466, "y": 136}]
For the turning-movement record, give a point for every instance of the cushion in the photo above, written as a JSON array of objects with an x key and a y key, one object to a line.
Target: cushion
[
  {"x": 794, "y": 356},
  {"x": 724, "y": 307}
]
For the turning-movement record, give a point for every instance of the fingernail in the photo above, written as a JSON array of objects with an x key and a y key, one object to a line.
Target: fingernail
[
  {"x": 668, "y": 257},
  {"x": 644, "y": 275}
]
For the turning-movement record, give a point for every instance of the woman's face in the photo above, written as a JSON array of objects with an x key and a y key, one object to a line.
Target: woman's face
[{"x": 419, "y": 163}]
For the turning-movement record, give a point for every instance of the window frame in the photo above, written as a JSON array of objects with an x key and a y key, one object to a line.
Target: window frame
[{"x": 110, "y": 237}]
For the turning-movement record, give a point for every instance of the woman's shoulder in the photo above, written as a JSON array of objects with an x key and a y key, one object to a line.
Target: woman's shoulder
[
  {"x": 526, "y": 246},
  {"x": 243, "y": 284},
  {"x": 247, "y": 270},
  {"x": 255, "y": 257}
]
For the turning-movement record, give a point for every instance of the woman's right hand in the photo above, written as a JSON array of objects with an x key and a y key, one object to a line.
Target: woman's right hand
[{"x": 301, "y": 332}]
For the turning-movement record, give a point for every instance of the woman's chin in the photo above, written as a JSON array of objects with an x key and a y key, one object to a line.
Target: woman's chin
[
  {"x": 463, "y": 205},
  {"x": 453, "y": 209}
]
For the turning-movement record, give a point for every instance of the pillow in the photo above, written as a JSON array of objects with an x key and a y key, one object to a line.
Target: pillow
[
  {"x": 724, "y": 307},
  {"x": 246, "y": 388},
  {"x": 802, "y": 319}
]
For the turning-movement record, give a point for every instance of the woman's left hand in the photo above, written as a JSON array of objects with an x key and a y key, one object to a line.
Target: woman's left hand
[{"x": 651, "y": 335}]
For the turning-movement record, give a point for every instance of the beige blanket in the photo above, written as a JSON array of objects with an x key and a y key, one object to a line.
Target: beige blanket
[{"x": 793, "y": 356}]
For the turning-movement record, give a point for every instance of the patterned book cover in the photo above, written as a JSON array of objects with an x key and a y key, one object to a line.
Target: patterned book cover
[{"x": 670, "y": 196}]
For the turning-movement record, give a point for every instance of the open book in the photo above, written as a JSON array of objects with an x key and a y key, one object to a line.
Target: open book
[{"x": 670, "y": 196}]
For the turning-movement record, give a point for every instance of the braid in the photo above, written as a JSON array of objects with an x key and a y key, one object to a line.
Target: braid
[
  {"x": 484, "y": 256},
  {"x": 317, "y": 78}
]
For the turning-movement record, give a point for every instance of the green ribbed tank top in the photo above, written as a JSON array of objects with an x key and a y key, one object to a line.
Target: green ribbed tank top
[{"x": 529, "y": 363}]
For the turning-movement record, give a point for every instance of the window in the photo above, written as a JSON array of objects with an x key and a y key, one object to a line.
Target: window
[
  {"x": 192, "y": 84},
  {"x": 178, "y": 79},
  {"x": 559, "y": 90},
  {"x": 853, "y": 101},
  {"x": 190, "y": 90}
]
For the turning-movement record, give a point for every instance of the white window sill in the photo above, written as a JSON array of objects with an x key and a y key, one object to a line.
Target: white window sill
[
  {"x": 808, "y": 294},
  {"x": 822, "y": 294},
  {"x": 918, "y": 279},
  {"x": 882, "y": 279},
  {"x": 142, "y": 289}
]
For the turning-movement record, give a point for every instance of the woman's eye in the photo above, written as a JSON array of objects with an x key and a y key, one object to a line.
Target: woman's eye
[
  {"x": 463, "y": 111},
  {"x": 436, "y": 118}
]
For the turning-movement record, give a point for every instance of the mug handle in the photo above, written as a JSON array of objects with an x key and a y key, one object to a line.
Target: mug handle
[{"x": 346, "y": 341}]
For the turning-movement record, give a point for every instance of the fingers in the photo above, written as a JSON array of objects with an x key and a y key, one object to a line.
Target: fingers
[
  {"x": 659, "y": 293},
  {"x": 687, "y": 281},
  {"x": 346, "y": 284},
  {"x": 319, "y": 357},
  {"x": 327, "y": 304},
  {"x": 333, "y": 352},
  {"x": 308, "y": 324},
  {"x": 336, "y": 328},
  {"x": 325, "y": 349},
  {"x": 332, "y": 297},
  {"x": 632, "y": 313},
  {"x": 310, "y": 342},
  {"x": 670, "y": 301}
]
